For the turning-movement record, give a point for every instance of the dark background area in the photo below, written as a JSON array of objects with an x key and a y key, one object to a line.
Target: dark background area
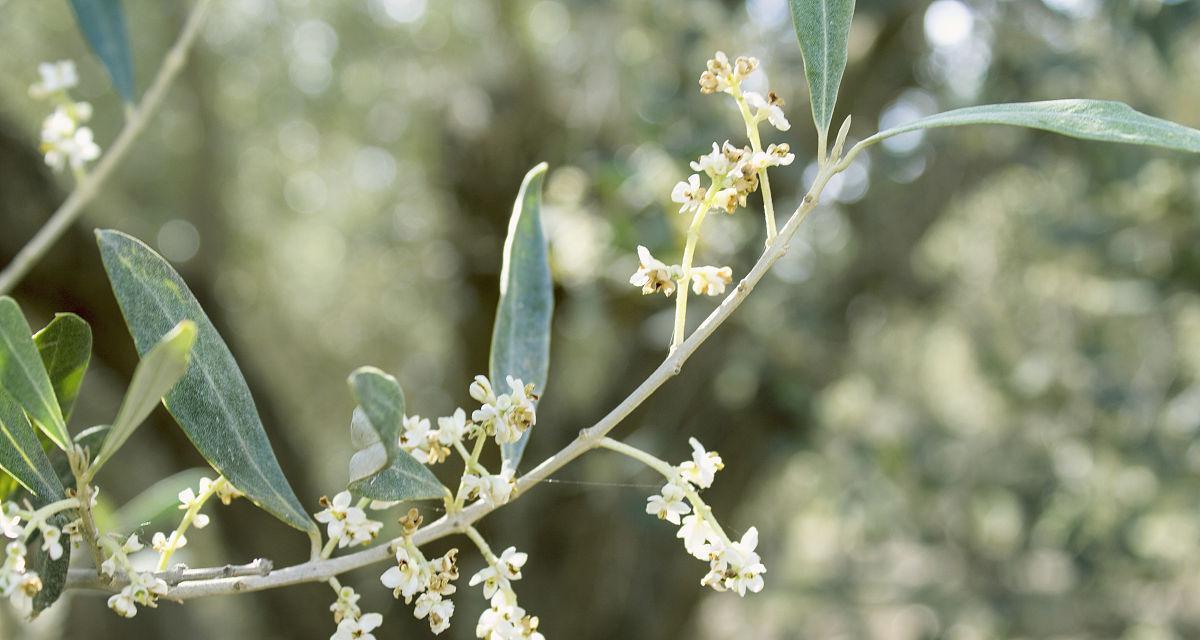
[{"x": 963, "y": 406}]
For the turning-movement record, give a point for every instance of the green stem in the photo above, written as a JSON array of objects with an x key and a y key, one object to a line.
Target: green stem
[
  {"x": 689, "y": 250},
  {"x": 657, "y": 464},
  {"x": 756, "y": 146},
  {"x": 186, "y": 522}
]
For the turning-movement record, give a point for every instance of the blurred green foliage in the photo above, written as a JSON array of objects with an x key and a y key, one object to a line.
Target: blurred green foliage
[{"x": 962, "y": 406}]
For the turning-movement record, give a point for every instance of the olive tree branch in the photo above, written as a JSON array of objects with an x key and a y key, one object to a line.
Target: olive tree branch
[
  {"x": 89, "y": 186},
  {"x": 461, "y": 522}
]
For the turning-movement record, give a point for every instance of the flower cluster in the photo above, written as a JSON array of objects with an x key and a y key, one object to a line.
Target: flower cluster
[
  {"x": 505, "y": 416},
  {"x": 504, "y": 619},
  {"x": 733, "y": 566},
  {"x": 730, "y": 174},
  {"x": 65, "y": 141},
  {"x": 19, "y": 525},
  {"x": 430, "y": 582},
  {"x": 144, "y": 588},
  {"x": 352, "y": 623},
  {"x": 347, "y": 524}
]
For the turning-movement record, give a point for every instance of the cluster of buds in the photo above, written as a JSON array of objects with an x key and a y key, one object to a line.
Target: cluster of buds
[
  {"x": 352, "y": 623},
  {"x": 345, "y": 523},
  {"x": 733, "y": 173},
  {"x": 733, "y": 566},
  {"x": 504, "y": 619},
  {"x": 65, "y": 139},
  {"x": 430, "y": 582},
  {"x": 144, "y": 588},
  {"x": 19, "y": 525},
  {"x": 505, "y": 416}
]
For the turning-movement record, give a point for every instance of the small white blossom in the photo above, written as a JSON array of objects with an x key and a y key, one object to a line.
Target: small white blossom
[
  {"x": 22, "y": 596},
  {"x": 10, "y": 522},
  {"x": 770, "y": 108},
  {"x": 481, "y": 390},
  {"x": 689, "y": 194},
  {"x": 670, "y": 504},
  {"x": 51, "y": 540},
  {"x": 511, "y": 561},
  {"x": 697, "y": 534},
  {"x": 358, "y": 628},
  {"x": 745, "y": 568},
  {"x": 346, "y": 605},
  {"x": 453, "y": 428},
  {"x": 492, "y": 580},
  {"x": 407, "y": 578},
  {"x": 652, "y": 275},
  {"x": 703, "y": 466},
  {"x": 711, "y": 280},
  {"x": 716, "y": 163},
  {"x": 776, "y": 155},
  {"x": 122, "y": 604},
  {"x": 187, "y": 500},
  {"x": 65, "y": 142},
  {"x": 161, "y": 543},
  {"x": 55, "y": 77},
  {"x": 438, "y": 609},
  {"x": 226, "y": 492},
  {"x": 349, "y": 525},
  {"x": 495, "y": 490}
]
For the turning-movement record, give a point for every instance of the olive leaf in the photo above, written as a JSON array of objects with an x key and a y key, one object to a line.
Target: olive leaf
[
  {"x": 103, "y": 25},
  {"x": 24, "y": 377},
  {"x": 521, "y": 335},
  {"x": 65, "y": 346},
  {"x": 1102, "y": 120},
  {"x": 212, "y": 402},
  {"x": 823, "y": 29},
  {"x": 379, "y": 468},
  {"x": 155, "y": 375}
]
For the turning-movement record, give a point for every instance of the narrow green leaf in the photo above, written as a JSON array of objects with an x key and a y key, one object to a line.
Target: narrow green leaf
[
  {"x": 823, "y": 29},
  {"x": 23, "y": 375},
  {"x": 212, "y": 402},
  {"x": 380, "y": 469},
  {"x": 21, "y": 455},
  {"x": 155, "y": 375},
  {"x": 103, "y": 25},
  {"x": 1088, "y": 119},
  {"x": 521, "y": 335},
  {"x": 66, "y": 349}
]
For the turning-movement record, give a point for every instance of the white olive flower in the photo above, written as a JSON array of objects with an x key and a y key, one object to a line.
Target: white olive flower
[
  {"x": 438, "y": 609},
  {"x": 652, "y": 275},
  {"x": 668, "y": 505},
  {"x": 769, "y": 108},
  {"x": 711, "y": 280},
  {"x": 161, "y": 542},
  {"x": 495, "y": 490},
  {"x": 689, "y": 194},
  {"x": 122, "y": 604},
  {"x": 346, "y": 605},
  {"x": 51, "y": 540},
  {"x": 727, "y": 199},
  {"x": 349, "y": 525},
  {"x": 26, "y": 589},
  {"x": 358, "y": 628},
  {"x": 703, "y": 466},
  {"x": 697, "y": 534},
  {"x": 453, "y": 428},
  {"x": 481, "y": 390},
  {"x": 10, "y": 522},
  {"x": 716, "y": 163},
  {"x": 511, "y": 561},
  {"x": 492, "y": 580},
  {"x": 745, "y": 568},
  {"x": 720, "y": 75},
  {"x": 407, "y": 578},
  {"x": 776, "y": 155},
  {"x": 64, "y": 142},
  {"x": 189, "y": 499},
  {"x": 226, "y": 492},
  {"x": 56, "y": 77}
]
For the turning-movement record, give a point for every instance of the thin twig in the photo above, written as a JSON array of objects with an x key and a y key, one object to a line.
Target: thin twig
[
  {"x": 588, "y": 439},
  {"x": 176, "y": 575},
  {"x": 87, "y": 188}
]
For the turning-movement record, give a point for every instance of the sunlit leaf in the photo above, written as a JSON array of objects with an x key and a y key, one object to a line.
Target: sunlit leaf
[
  {"x": 1088, "y": 119},
  {"x": 521, "y": 336},
  {"x": 65, "y": 346},
  {"x": 155, "y": 375},
  {"x": 823, "y": 28},
  {"x": 380, "y": 469},
  {"x": 212, "y": 402},
  {"x": 23, "y": 375},
  {"x": 103, "y": 25}
]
